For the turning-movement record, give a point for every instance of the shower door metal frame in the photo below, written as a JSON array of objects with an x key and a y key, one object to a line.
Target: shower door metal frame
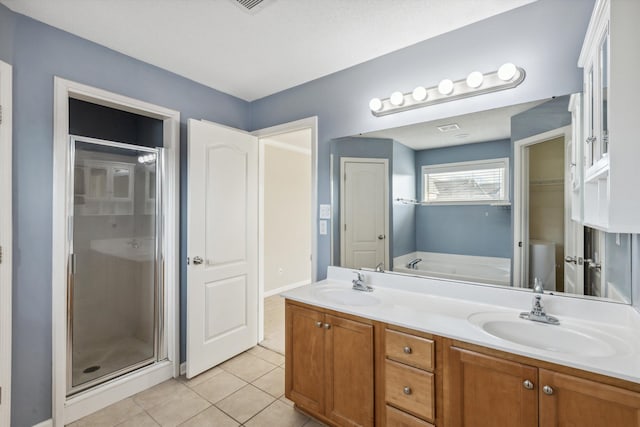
[{"x": 159, "y": 348}]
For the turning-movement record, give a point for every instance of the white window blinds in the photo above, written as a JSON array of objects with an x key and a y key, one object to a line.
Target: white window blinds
[{"x": 476, "y": 182}]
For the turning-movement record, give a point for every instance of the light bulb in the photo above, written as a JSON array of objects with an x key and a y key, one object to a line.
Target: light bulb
[
  {"x": 397, "y": 99},
  {"x": 375, "y": 104},
  {"x": 419, "y": 93},
  {"x": 507, "y": 71},
  {"x": 474, "y": 79},
  {"x": 445, "y": 87}
]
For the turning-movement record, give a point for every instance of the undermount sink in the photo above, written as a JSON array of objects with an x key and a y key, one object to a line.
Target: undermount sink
[
  {"x": 565, "y": 338},
  {"x": 346, "y": 296}
]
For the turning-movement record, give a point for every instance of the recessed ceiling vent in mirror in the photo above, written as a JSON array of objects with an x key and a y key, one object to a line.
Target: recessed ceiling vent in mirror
[
  {"x": 448, "y": 128},
  {"x": 251, "y": 6}
]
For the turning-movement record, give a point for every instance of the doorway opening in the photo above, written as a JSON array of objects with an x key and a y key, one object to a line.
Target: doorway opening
[
  {"x": 115, "y": 162},
  {"x": 286, "y": 205}
]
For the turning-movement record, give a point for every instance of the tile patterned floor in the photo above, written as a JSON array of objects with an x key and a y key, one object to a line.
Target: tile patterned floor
[
  {"x": 274, "y": 323},
  {"x": 247, "y": 390}
]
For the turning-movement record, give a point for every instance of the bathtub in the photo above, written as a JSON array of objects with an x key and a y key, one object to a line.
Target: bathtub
[{"x": 491, "y": 270}]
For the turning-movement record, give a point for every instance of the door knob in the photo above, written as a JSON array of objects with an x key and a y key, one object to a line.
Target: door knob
[
  {"x": 407, "y": 350},
  {"x": 197, "y": 260},
  {"x": 407, "y": 390},
  {"x": 570, "y": 259},
  {"x": 547, "y": 390},
  {"x": 319, "y": 324},
  {"x": 327, "y": 326},
  {"x": 528, "y": 385},
  {"x": 381, "y": 236}
]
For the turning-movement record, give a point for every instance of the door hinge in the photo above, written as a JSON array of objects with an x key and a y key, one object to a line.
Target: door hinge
[
  {"x": 0, "y": 254},
  {"x": 0, "y": 114},
  {"x": 519, "y": 244},
  {"x": 345, "y": 227}
]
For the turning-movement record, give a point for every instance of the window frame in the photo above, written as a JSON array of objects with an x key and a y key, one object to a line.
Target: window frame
[{"x": 467, "y": 166}]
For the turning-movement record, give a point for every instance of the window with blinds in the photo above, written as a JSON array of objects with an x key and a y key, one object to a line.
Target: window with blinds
[{"x": 476, "y": 182}]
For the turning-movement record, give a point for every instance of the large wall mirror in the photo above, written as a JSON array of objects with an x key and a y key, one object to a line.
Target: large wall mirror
[{"x": 491, "y": 197}]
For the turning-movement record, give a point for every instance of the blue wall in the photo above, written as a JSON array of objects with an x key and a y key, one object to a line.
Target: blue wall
[
  {"x": 539, "y": 39},
  {"x": 479, "y": 230},
  {"x": 403, "y": 186},
  {"x": 7, "y": 25},
  {"x": 41, "y": 52}
]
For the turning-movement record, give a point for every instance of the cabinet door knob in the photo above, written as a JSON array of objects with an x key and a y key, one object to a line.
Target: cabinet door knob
[
  {"x": 319, "y": 324},
  {"x": 406, "y": 390},
  {"x": 547, "y": 390},
  {"x": 197, "y": 260},
  {"x": 528, "y": 384},
  {"x": 407, "y": 350},
  {"x": 327, "y": 326}
]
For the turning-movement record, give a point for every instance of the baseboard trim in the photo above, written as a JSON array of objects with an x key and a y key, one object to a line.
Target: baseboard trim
[
  {"x": 45, "y": 423},
  {"x": 284, "y": 288},
  {"x": 103, "y": 396}
]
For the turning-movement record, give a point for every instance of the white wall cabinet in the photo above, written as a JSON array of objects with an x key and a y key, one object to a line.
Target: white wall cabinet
[
  {"x": 104, "y": 188},
  {"x": 610, "y": 61}
]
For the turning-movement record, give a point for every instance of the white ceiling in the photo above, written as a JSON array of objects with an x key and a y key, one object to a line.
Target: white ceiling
[
  {"x": 251, "y": 55},
  {"x": 490, "y": 125}
]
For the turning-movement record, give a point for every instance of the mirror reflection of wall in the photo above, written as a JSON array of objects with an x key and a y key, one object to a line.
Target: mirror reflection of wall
[{"x": 451, "y": 217}]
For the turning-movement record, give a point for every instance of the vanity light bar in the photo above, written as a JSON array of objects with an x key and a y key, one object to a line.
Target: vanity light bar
[{"x": 506, "y": 77}]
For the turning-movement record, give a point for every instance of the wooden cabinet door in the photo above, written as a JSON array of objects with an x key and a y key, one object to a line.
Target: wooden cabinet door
[
  {"x": 349, "y": 372},
  {"x": 485, "y": 391},
  {"x": 304, "y": 355},
  {"x": 579, "y": 402}
]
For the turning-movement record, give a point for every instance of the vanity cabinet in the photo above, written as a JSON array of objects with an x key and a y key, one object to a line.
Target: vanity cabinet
[
  {"x": 409, "y": 379},
  {"x": 611, "y": 87},
  {"x": 484, "y": 389},
  {"x": 329, "y": 365}
]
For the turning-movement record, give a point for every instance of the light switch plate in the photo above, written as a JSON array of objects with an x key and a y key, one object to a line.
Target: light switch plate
[
  {"x": 325, "y": 211},
  {"x": 323, "y": 227}
]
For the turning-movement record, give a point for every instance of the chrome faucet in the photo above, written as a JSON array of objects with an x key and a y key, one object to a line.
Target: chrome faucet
[
  {"x": 413, "y": 264},
  {"x": 358, "y": 283},
  {"x": 537, "y": 313}
]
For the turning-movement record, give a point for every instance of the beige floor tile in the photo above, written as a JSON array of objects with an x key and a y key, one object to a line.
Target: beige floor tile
[
  {"x": 219, "y": 387},
  {"x": 141, "y": 420},
  {"x": 182, "y": 406},
  {"x": 278, "y": 414},
  {"x": 158, "y": 394},
  {"x": 245, "y": 403},
  {"x": 248, "y": 367},
  {"x": 212, "y": 417},
  {"x": 199, "y": 379},
  {"x": 314, "y": 423},
  {"x": 271, "y": 382},
  {"x": 286, "y": 401},
  {"x": 111, "y": 415},
  {"x": 268, "y": 355}
]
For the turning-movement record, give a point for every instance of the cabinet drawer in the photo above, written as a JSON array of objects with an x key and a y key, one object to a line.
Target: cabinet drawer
[
  {"x": 397, "y": 418},
  {"x": 409, "y": 389},
  {"x": 409, "y": 349}
]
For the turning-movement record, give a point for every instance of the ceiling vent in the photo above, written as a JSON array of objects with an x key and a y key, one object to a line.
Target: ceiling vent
[
  {"x": 448, "y": 128},
  {"x": 251, "y": 6}
]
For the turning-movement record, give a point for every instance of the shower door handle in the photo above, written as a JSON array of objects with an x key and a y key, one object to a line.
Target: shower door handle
[{"x": 197, "y": 260}]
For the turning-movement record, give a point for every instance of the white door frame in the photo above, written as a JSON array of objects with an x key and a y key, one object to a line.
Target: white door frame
[
  {"x": 6, "y": 244},
  {"x": 521, "y": 200},
  {"x": 343, "y": 243},
  {"x": 67, "y": 410},
  {"x": 297, "y": 125}
]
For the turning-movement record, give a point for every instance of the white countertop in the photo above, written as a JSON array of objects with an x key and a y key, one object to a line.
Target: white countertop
[{"x": 443, "y": 307}]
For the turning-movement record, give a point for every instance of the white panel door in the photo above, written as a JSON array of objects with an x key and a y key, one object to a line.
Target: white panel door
[
  {"x": 364, "y": 213},
  {"x": 573, "y": 232},
  {"x": 222, "y": 281}
]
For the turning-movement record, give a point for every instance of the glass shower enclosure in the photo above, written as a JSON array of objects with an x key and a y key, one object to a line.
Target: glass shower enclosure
[{"x": 115, "y": 287}]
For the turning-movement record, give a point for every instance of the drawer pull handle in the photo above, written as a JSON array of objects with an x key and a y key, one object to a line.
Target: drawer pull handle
[
  {"x": 528, "y": 385},
  {"x": 407, "y": 350},
  {"x": 407, "y": 390},
  {"x": 319, "y": 324},
  {"x": 547, "y": 390}
]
